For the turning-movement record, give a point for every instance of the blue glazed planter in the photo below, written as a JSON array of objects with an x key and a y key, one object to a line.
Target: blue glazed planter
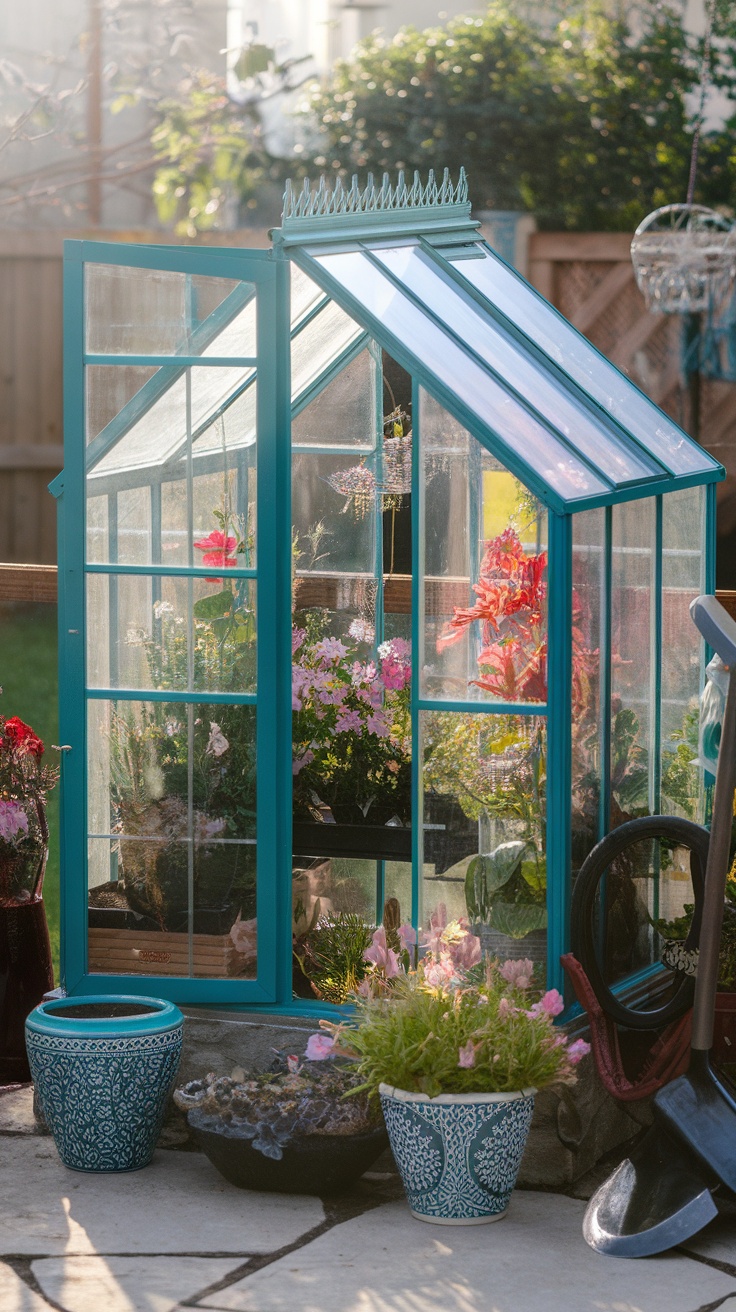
[
  {"x": 103, "y": 1068},
  {"x": 458, "y": 1154}
]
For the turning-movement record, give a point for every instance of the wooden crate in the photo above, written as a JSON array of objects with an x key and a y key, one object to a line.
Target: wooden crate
[{"x": 154, "y": 952}]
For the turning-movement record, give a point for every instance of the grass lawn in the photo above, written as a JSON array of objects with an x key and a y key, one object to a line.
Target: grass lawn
[{"x": 28, "y": 677}]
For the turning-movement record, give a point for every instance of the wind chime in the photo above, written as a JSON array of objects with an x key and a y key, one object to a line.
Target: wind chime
[{"x": 684, "y": 259}]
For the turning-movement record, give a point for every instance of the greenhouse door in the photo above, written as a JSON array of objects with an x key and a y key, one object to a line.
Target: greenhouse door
[{"x": 168, "y": 622}]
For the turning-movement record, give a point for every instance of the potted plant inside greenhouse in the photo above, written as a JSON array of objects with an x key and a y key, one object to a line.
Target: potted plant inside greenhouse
[{"x": 374, "y": 581}]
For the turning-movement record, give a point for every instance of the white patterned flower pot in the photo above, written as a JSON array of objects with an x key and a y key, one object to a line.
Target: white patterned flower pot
[
  {"x": 459, "y": 1154},
  {"x": 103, "y": 1069}
]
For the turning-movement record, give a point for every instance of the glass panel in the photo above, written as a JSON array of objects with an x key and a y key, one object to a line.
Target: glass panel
[
  {"x": 641, "y": 904},
  {"x": 484, "y": 785},
  {"x": 319, "y": 344},
  {"x": 556, "y": 465},
  {"x": 600, "y": 379},
  {"x": 588, "y": 599},
  {"x": 631, "y": 666},
  {"x": 484, "y": 542},
  {"x": 683, "y": 518},
  {"x": 109, "y": 389},
  {"x": 156, "y": 312},
  {"x": 192, "y": 400},
  {"x": 597, "y": 440},
  {"x": 305, "y": 294},
  {"x": 195, "y": 635},
  {"x": 344, "y": 413},
  {"x": 333, "y": 513},
  {"x": 172, "y": 867}
]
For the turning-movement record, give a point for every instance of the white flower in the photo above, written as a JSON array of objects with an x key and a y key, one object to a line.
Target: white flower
[
  {"x": 217, "y": 743},
  {"x": 162, "y": 608}
]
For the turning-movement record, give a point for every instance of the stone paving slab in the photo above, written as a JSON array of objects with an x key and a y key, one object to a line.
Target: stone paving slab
[
  {"x": 534, "y": 1260},
  {"x": 717, "y": 1242},
  {"x": 15, "y": 1295},
  {"x": 178, "y": 1204},
  {"x": 127, "y": 1284},
  {"x": 16, "y": 1112}
]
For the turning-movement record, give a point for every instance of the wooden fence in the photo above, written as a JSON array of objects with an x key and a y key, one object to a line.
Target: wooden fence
[{"x": 588, "y": 276}]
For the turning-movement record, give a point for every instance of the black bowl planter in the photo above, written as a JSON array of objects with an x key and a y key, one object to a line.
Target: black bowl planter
[{"x": 313, "y": 1164}]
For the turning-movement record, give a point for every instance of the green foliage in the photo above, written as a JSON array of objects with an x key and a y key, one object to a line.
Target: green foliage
[
  {"x": 522, "y": 907},
  {"x": 412, "y": 1039},
  {"x": 584, "y": 121},
  {"x": 331, "y": 955},
  {"x": 211, "y": 151}
]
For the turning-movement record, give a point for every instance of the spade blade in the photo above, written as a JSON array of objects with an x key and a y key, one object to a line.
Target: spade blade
[{"x": 657, "y": 1198}]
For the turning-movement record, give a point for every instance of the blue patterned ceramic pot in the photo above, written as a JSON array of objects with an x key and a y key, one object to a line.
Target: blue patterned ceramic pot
[
  {"x": 458, "y": 1154},
  {"x": 103, "y": 1068}
]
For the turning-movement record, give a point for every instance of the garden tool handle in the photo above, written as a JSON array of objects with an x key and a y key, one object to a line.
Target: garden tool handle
[{"x": 719, "y": 630}]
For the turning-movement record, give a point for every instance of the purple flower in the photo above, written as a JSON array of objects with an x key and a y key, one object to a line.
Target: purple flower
[
  {"x": 330, "y": 650},
  {"x": 297, "y": 638},
  {"x": 348, "y": 720}
]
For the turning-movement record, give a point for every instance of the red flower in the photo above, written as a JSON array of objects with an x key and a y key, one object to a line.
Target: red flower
[
  {"x": 21, "y": 738},
  {"x": 216, "y": 546}
]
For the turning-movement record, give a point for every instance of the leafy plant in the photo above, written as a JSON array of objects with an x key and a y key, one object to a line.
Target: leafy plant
[
  {"x": 521, "y": 908},
  {"x": 332, "y": 955},
  {"x": 292, "y": 1101},
  {"x": 488, "y": 1036}
]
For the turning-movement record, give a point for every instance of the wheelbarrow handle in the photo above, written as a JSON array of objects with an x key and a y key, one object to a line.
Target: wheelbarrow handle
[{"x": 716, "y": 626}]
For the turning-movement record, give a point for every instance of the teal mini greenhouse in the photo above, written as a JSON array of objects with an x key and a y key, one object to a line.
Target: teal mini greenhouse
[{"x": 374, "y": 584}]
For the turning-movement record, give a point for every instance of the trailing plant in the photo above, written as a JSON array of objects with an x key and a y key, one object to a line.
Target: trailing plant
[{"x": 294, "y": 1100}]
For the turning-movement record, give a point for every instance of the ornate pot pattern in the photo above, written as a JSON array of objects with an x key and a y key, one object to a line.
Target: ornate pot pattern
[
  {"x": 103, "y": 1068},
  {"x": 458, "y": 1154}
]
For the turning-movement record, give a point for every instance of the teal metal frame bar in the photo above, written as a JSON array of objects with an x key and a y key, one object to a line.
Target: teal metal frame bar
[{"x": 559, "y": 745}]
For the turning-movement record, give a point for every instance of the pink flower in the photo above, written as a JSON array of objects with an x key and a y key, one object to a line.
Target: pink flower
[
  {"x": 382, "y": 956},
  {"x": 297, "y": 638},
  {"x": 319, "y": 1047},
  {"x": 578, "y": 1050},
  {"x": 330, "y": 650},
  {"x": 505, "y": 1009},
  {"x": 408, "y": 937},
  {"x": 244, "y": 937},
  {"x": 519, "y": 974},
  {"x": 216, "y": 548},
  {"x": 441, "y": 974},
  {"x": 13, "y": 821},
  {"x": 466, "y": 1055},
  {"x": 362, "y": 631},
  {"x": 299, "y": 762},
  {"x": 217, "y": 743},
  {"x": 466, "y": 951},
  {"x": 551, "y": 1004}
]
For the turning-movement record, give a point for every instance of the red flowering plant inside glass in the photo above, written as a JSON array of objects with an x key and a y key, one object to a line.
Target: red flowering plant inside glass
[
  {"x": 511, "y": 593},
  {"x": 24, "y": 783}
]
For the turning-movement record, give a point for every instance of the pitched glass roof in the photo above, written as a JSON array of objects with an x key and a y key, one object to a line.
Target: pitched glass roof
[
  {"x": 151, "y": 430},
  {"x": 513, "y": 370}
]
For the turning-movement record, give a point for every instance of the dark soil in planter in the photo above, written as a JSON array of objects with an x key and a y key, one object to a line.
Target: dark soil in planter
[
  {"x": 314, "y": 1164},
  {"x": 102, "y": 1010}
]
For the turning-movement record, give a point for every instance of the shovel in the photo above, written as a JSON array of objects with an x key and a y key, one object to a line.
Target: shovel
[{"x": 663, "y": 1193}]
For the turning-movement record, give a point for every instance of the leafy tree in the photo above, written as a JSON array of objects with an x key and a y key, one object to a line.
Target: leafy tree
[{"x": 585, "y": 123}]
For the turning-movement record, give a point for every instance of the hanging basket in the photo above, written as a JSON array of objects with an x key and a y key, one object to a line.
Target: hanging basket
[{"x": 684, "y": 259}]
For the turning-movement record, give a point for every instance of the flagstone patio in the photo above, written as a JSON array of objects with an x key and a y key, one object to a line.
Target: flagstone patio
[{"x": 177, "y": 1236}]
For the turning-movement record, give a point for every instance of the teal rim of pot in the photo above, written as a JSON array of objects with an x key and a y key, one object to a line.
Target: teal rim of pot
[{"x": 49, "y": 1017}]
